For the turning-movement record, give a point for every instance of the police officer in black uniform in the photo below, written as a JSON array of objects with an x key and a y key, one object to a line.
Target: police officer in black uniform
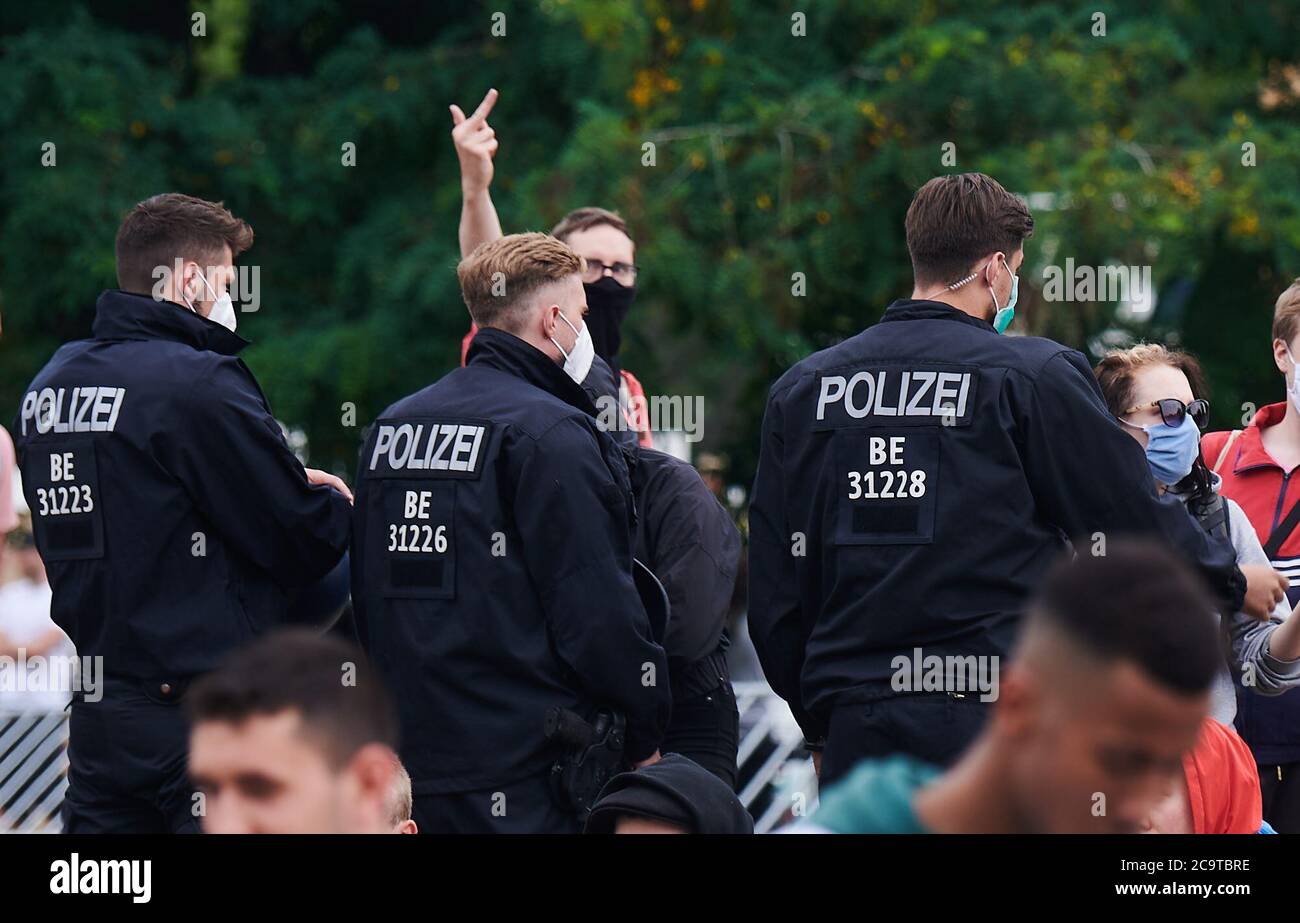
[
  {"x": 171, "y": 514},
  {"x": 492, "y": 568},
  {"x": 914, "y": 483}
]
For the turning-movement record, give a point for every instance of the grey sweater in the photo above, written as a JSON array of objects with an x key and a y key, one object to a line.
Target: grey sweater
[{"x": 1248, "y": 636}]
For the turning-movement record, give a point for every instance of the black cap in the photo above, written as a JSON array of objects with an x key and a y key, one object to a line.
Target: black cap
[{"x": 676, "y": 791}]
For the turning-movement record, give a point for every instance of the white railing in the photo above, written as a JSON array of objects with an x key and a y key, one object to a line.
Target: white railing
[
  {"x": 776, "y": 775},
  {"x": 33, "y": 771}
]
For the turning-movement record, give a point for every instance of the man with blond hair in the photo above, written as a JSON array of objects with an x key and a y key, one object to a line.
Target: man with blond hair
[{"x": 492, "y": 558}]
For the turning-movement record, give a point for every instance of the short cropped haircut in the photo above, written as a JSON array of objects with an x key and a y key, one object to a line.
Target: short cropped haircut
[
  {"x": 1138, "y": 603},
  {"x": 955, "y": 220},
  {"x": 497, "y": 279},
  {"x": 580, "y": 219},
  {"x": 326, "y": 681},
  {"x": 171, "y": 226},
  {"x": 1286, "y": 314}
]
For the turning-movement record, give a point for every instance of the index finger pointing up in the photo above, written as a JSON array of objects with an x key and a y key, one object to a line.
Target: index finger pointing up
[{"x": 485, "y": 107}]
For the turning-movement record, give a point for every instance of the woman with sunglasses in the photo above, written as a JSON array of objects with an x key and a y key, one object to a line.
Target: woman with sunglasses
[{"x": 1153, "y": 392}]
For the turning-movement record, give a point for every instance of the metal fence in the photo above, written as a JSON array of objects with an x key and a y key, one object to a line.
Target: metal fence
[
  {"x": 33, "y": 771},
  {"x": 776, "y": 777}
]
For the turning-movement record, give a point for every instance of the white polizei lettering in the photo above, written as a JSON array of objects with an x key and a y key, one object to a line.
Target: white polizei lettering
[
  {"x": 447, "y": 431},
  {"x": 914, "y": 405},
  {"x": 965, "y": 390},
  {"x": 902, "y": 392},
  {"x": 416, "y": 461},
  {"x": 883, "y": 409},
  {"x": 383, "y": 440},
  {"x": 942, "y": 392},
  {"x": 826, "y": 397},
  {"x": 90, "y": 408},
  {"x": 464, "y": 444},
  {"x": 59, "y": 425},
  {"x": 478, "y": 443},
  {"x": 398, "y": 459},
  {"x": 865, "y": 407}
]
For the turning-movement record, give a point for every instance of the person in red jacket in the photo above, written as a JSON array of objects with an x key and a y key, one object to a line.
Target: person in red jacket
[
  {"x": 599, "y": 236},
  {"x": 1258, "y": 465}
]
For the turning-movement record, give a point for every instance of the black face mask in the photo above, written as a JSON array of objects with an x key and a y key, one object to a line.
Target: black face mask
[{"x": 607, "y": 305}]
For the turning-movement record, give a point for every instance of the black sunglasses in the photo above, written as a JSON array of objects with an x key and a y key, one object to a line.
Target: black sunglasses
[{"x": 1172, "y": 411}]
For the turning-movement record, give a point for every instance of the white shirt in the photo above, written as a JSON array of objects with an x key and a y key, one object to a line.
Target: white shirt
[{"x": 24, "y": 618}]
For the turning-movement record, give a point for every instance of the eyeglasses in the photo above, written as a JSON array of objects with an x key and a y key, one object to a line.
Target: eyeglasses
[
  {"x": 623, "y": 273},
  {"x": 1172, "y": 411}
]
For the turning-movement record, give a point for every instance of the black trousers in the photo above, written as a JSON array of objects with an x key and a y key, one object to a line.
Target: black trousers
[
  {"x": 526, "y": 806},
  {"x": 1280, "y": 786},
  {"x": 706, "y": 729},
  {"x": 127, "y": 764},
  {"x": 933, "y": 727}
]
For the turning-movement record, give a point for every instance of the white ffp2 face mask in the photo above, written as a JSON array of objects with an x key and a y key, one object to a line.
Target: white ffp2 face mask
[
  {"x": 577, "y": 361},
  {"x": 223, "y": 309}
]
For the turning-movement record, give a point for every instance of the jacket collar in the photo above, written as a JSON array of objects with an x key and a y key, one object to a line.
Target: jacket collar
[
  {"x": 1250, "y": 446},
  {"x": 123, "y": 315},
  {"x": 507, "y": 353},
  {"x": 924, "y": 309}
]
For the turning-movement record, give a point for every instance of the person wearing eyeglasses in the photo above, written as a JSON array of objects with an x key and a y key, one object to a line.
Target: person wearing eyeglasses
[
  {"x": 597, "y": 235},
  {"x": 1152, "y": 391}
]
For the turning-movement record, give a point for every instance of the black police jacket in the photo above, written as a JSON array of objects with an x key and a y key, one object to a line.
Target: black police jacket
[
  {"x": 914, "y": 484},
  {"x": 692, "y": 545},
  {"x": 168, "y": 508},
  {"x": 492, "y": 570}
]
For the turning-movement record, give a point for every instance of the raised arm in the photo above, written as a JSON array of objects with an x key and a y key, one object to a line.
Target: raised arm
[{"x": 476, "y": 145}]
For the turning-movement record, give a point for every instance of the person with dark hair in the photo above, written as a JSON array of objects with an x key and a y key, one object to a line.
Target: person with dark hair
[
  {"x": 173, "y": 518},
  {"x": 1158, "y": 396},
  {"x": 1107, "y": 688},
  {"x": 675, "y": 795},
  {"x": 601, "y": 237},
  {"x": 294, "y": 733},
  {"x": 914, "y": 483}
]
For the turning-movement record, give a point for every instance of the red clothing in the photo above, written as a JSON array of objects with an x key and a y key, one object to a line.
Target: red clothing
[
  {"x": 1258, "y": 483},
  {"x": 1222, "y": 782},
  {"x": 632, "y": 396}
]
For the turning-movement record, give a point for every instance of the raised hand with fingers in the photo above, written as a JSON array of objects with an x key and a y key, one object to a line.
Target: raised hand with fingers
[{"x": 476, "y": 144}]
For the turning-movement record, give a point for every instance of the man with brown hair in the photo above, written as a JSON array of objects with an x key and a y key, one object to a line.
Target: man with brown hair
[
  {"x": 916, "y": 481},
  {"x": 492, "y": 567},
  {"x": 173, "y": 518},
  {"x": 599, "y": 236}
]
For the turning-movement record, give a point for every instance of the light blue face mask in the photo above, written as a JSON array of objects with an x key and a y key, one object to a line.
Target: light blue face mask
[
  {"x": 1172, "y": 450},
  {"x": 1005, "y": 315}
]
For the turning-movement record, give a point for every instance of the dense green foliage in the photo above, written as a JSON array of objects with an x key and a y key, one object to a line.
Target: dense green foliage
[{"x": 775, "y": 154}]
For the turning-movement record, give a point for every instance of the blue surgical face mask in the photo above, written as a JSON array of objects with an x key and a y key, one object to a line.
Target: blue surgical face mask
[
  {"x": 1004, "y": 315},
  {"x": 1172, "y": 450}
]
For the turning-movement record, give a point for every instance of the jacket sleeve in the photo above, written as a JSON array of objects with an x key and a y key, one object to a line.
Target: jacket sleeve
[
  {"x": 778, "y": 626},
  {"x": 1090, "y": 477},
  {"x": 1250, "y": 636},
  {"x": 577, "y": 543},
  {"x": 696, "y": 551},
  {"x": 243, "y": 478}
]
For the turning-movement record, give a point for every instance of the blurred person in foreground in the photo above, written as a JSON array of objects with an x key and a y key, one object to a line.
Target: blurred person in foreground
[
  {"x": 1256, "y": 464},
  {"x": 28, "y": 634},
  {"x": 599, "y": 236},
  {"x": 400, "y": 800},
  {"x": 294, "y": 734},
  {"x": 1108, "y": 685},
  {"x": 1158, "y": 395}
]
